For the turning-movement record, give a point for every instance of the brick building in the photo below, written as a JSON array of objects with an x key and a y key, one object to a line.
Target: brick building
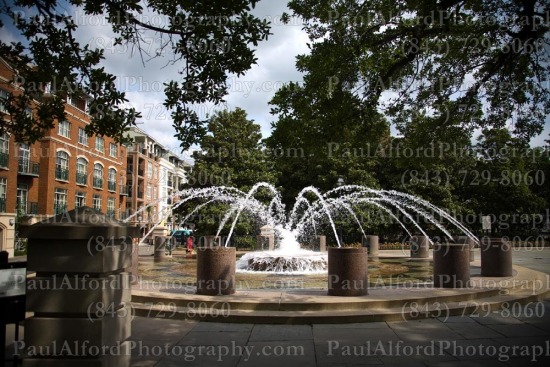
[{"x": 63, "y": 170}]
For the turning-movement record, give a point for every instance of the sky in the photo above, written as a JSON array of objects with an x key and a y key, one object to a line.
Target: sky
[{"x": 143, "y": 81}]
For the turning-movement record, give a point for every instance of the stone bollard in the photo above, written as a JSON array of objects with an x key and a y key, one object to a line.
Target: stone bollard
[
  {"x": 496, "y": 257},
  {"x": 372, "y": 244},
  {"x": 216, "y": 270},
  {"x": 160, "y": 248},
  {"x": 80, "y": 295},
  {"x": 347, "y": 272},
  {"x": 469, "y": 241},
  {"x": 322, "y": 243},
  {"x": 420, "y": 247},
  {"x": 451, "y": 265}
]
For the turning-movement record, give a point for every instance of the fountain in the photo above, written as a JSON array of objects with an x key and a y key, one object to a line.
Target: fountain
[{"x": 289, "y": 257}]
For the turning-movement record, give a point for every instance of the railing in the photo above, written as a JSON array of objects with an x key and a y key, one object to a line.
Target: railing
[
  {"x": 2, "y": 205},
  {"x": 81, "y": 179},
  {"x": 62, "y": 174},
  {"x": 26, "y": 167},
  {"x": 59, "y": 208},
  {"x": 123, "y": 190},
  {"x": 110, "y": 213},
  {"x": 111, "y": 185},
  {"x": 4, "y": 159},
  {"x": 98, "y": 183},
  {"x": 24, "y": 208}
]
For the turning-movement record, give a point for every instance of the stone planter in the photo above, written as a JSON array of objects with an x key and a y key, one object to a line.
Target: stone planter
[
  {"x": 420, "y": 247},
  {"x": 347, "y": 272},
  {"x": 451, "y": 265},
  {"x": 496, "y": 258},
  {"x": 216, "y": 270}
]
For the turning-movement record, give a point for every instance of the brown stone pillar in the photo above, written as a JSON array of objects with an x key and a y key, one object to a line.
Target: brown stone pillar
[
  {"x": 420, "y": 247},
  {"x": 468, "y": 240},
  {"x": 347, "y": 272},
  {"x": 216, "y": 270},
  {"x": 496, "y": 257},
  {"x": 451, "y": 265},
  {"x": 81, "y": 294}
]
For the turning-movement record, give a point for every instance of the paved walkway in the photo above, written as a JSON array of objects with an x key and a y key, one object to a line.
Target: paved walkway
[{"x": 518, "y": 336}]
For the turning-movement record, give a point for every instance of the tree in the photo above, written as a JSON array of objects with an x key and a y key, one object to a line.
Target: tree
[
  {"x": 232, "y": 154},
  {"x": 209, "y": 40},
  {"x": 468, "y": 63}
]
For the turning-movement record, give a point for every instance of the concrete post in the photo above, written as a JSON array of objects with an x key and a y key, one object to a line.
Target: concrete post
[
  {"x": 322, "y": 243},
  {"x": 160, "y": 248},
  {"x": 216, "y": 270},
  {"x": 372, "y": 244},
  {"x": 81, "y": 294},
  {"x": 420, "y": 247},
  {"x": 496, "y": 257},
  {"x": 347, "y": 272},
  {"x": 452, "y": 265}
]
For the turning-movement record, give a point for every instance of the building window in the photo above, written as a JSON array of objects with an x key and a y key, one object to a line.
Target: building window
[
  {"x": 80, "y": 199},
  {"x": 4, "y": 149},
  {"x": 3, "y": 190},
  {"x": 111, "y": 207},
  {"x": 97, "y": 202},
  {"x": 21, "y": 198},
  {"x": 62, "y": 166},
  {"x": 60, "y": 201},
  {"x": 148, "y": 192},
  {"x": 113, "y": 150},
  {"x": 99, "y": 144},
  {"x": 149, "y": 170},
  {"x": 98, "y": 176},
  {"x": 64, "y": 128},
  {"x": 111, "y": 180},
  {"x": 82, "y": 136},
  {"x": 4, "y": 95},
  {"x": 81, "y": 171}
]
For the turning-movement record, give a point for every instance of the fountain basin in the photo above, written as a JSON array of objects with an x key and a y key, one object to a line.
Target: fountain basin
[{"x": 281, "y": 262}]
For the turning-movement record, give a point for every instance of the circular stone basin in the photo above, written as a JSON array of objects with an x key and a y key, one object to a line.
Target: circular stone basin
[
  {"x": 181, "y": 272},
  {"x": 278, "y": 262}
]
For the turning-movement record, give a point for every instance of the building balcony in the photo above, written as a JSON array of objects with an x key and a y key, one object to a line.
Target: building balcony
[
  {"x": 111, "y": 214},
  {"x": 27, "y": 208},
  {"x": 59, "y": 208},
  {"x": 123, "y": 190},
  {"x": 61, "y": 174},
  {"x": 4, "y": 159},
  {"x": 81, "y": 179},
  {"x": 111, "y": 185},
  {"x": 28, "y": 168},
  {"x": 98, "y": 183},
  {"x": 2, "y": 205}
]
